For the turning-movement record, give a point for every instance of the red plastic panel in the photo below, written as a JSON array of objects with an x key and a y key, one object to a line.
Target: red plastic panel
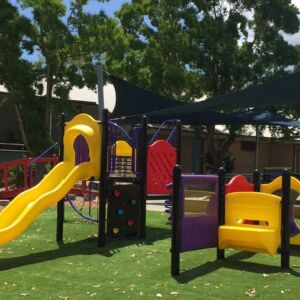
[
  {"x": 239, "y": 183},
  {"x": 161, "y": 159}
]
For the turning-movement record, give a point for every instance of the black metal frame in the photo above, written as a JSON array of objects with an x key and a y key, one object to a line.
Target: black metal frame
[
  {"x": 256, "y": 180},
  {"x": 61, "y": 203},
  {"x": 142, "y": 179},
  {"x": 285, "y": 220},
  {"x": 176, "y": 222},
  {"x": 103, "y": 181},
  {"x": 221, "y": 208}
]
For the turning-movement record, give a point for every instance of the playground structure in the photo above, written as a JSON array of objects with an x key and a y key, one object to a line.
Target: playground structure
[
  {"x": 106, "y": 152},
  {"x": 248, "y": 218},
  {"x": 23, "y": 210}
]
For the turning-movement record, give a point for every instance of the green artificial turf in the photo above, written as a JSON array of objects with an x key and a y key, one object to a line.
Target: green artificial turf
[{"x": 35, "y": 267}]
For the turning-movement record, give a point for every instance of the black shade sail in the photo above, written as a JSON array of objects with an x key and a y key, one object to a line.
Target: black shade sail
[
  {"x": 280, "y": 92},
  {"x": 251, "y": 117},
  {"x": 133, "y": 100}
]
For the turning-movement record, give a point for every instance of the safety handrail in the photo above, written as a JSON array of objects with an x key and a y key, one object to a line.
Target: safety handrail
[
  {"x": 170, "y": 122},
  {"x": 43, "y": 153},
  {"x": 122, "y": 130}
]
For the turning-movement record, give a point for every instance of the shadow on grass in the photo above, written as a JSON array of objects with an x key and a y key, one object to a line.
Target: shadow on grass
[
  {"x": 234, "y": 262},
  {"x": 83, "y": 247},
  {"x": 295, "y": 250}
]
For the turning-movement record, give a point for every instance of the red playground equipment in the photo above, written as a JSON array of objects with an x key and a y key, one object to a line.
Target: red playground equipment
[
  {"x": 162, "y": 156},
  {"x": 8, "y": 188}
]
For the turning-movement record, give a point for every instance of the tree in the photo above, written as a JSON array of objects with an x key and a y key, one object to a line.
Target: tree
[
  {"x": 16, "y": 74},
  {"x": 66, "y": 39},
  {"x": 186, "y": 49},
  {"x": 157, "y": 56}
]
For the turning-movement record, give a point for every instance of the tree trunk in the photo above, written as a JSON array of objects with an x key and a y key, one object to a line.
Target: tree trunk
[
  {"x": 217, "y": 154},
  {"x": 22, "y": 129},
  {"x": 48, "y": 104}
]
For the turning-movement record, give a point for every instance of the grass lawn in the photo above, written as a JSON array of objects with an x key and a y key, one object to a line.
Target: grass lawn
[{"x": 35, "y": 267}]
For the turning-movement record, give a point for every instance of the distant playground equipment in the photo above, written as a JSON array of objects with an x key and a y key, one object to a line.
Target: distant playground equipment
[
  {"x": 18, "y": 175},
  {"x": 248, "y": 218}
]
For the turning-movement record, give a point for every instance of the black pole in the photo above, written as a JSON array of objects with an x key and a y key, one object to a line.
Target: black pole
[
  {"x": 61, "y": 203},
  {"x": 103, "y": 181},
  {"x": 143, "y": 169},
  {"x": 285, "y": 220},
  {"x": 221, "y": 207},
  {"x": 176, "y": 221},
  {"x": 256, "y": 180},
  {"x": 178, "y": 142}
]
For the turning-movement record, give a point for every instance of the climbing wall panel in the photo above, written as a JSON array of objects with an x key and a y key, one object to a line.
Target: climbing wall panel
[{"x": 123, "y": 214}]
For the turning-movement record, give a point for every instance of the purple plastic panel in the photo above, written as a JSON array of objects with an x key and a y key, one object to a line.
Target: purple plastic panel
[
  {"x": 199, "y": 198},
  {"x": 81, "y": 150}
]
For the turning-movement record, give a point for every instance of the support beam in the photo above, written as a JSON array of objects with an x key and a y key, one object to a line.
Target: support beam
[
  {"x": 103, "y": 181},
  {"x": 61, "y": 203},
  {"x": 100, "y": 90},
  {"x": 221, "y": 207},
  {"x": 176, "y": 222}
]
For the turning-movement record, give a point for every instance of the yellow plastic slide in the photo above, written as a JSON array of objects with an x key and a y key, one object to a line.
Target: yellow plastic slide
[{"x": 23, "y": 210}]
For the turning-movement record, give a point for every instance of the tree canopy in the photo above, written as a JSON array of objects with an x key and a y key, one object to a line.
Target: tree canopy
[
  {"x": 187, "y": 49},
  {"x": 177, "y": 48}
]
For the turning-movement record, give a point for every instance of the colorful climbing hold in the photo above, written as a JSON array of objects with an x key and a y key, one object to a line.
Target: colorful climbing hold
[
  {"x": 133, "y": 201},
  {"x": 130, "y": 222},
  {"x": 115, "y": 230},
  {"x": 116, "y": 194},
  {"x": 120, "y": 211}
]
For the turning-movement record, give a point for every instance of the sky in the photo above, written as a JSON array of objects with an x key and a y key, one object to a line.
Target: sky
[
  {"x": 109, "y": 8},
  {"x": 93, "y": 6},
  {"x": 294, "y": 39}
]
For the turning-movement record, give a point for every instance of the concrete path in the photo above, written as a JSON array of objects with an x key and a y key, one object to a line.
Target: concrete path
[{"x": 156, "y": 205}]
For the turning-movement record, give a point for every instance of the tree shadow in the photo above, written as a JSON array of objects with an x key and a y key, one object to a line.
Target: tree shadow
[
  {"x": 83, "y": 247},
  {"x": 234, "y": 262}
]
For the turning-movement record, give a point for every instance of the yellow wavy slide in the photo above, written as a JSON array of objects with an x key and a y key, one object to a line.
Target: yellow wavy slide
[{"x": 24, "y": 209}]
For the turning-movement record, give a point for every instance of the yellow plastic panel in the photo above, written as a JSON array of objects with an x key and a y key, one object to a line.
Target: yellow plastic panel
[
  {"x": 23, "y": 210},
  {"x": 295, "y": 240},
  {"x": 251, "y": 206},
  {"x": 248, "y": 239},
  {"x": 276, "y": 185},
  {"x": 91, "y": 130},
  {"x": 123, "y": 149}
]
